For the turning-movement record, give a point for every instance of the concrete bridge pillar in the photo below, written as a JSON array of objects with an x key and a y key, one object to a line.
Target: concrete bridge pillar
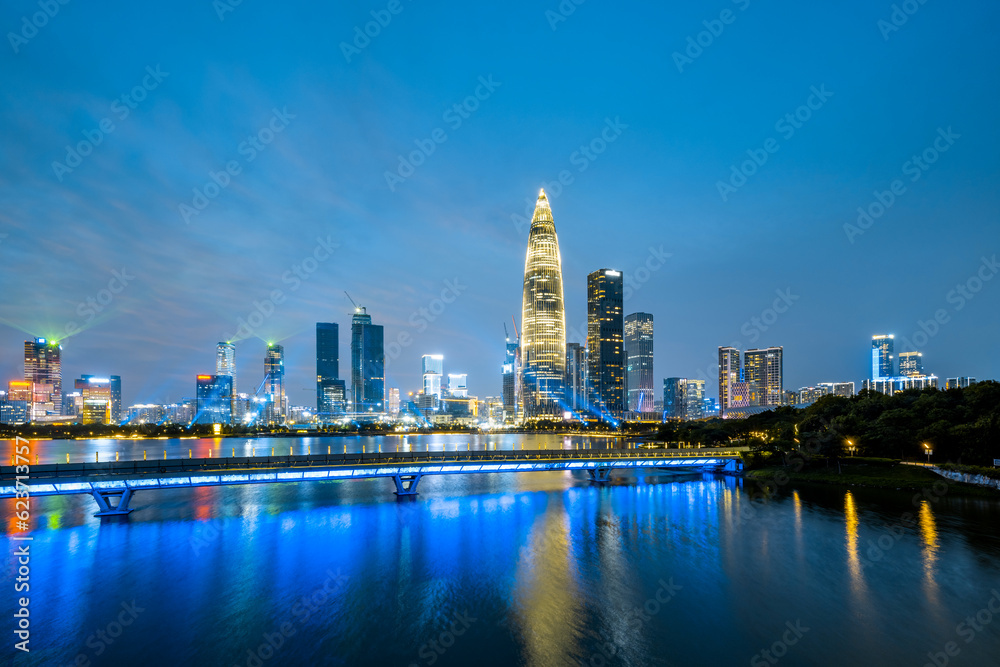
[
  {"x": 406, "y": 485},
  {"x": 120, "y": 508},
  {"x": 600, "y": 474}
]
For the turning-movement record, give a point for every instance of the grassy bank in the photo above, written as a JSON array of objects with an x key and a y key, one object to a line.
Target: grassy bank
[{"x": 880, "y": 476}]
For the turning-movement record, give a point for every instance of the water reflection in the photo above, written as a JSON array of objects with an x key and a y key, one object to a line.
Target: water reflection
[
  {"x": 854, "y": 566},
  {"x": 547, "y": 596},
  {"x": 929, "y": 537}
]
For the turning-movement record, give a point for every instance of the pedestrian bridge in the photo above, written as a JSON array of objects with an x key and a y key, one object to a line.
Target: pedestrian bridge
[{"x": 112, "y": 484}]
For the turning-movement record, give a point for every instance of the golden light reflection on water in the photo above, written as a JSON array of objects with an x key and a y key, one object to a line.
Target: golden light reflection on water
[
  {"x": 929, "y": 536},
  {"x": 797, "y": 504},
  {"x": 853, "y": 553},
  {"x": 547, "y": 594}
]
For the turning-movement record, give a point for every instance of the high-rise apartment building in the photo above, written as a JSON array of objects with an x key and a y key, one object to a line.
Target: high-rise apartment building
[
  {"x": 605, "y": 343},
  {"x": 763, "y": 373},
  {"x": 367, "y": 363},
  {"x": 730, "y": 372},
  {"x": 543, "y": 319},
  {"x": 639, "y": 362}
]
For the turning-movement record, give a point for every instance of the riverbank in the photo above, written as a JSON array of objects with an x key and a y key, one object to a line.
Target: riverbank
[{"x": 898, "y": 477}]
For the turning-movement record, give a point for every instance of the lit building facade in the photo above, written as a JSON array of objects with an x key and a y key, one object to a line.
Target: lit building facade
[
  {"x": 683, "y": 399},
  {"x": 959, "y": 383},
  {"x": 367, "y": 363},
  {"x": 510, "y": 373},
  {"x": 639, "y": 362},
  {"x": 213, "y": 399},
  {"x": 891, "y": 385},
  {"x": 43, "y": 368},
  {"x": 95, "y": 398},
  {"x": 605, "y": 343},
  {"x": 730, "y": 372},
  {"x": 543, "y": 319},
  {"x": 276, "y": 407},
  {"x": 882, "y": 351},
  {"x": 911, "y": 364},
  {"x": 576, "y": 377},
  {"x": 432, "y": 374},
  {"x": 392, "y": 399},
  {"x": 845, "y": 389},
  {"x": 808, "y": 395},
  {"x": 458, "y": 385},
  {"x": 763, "y": 372},
  {"x": 330, "y": 389}
]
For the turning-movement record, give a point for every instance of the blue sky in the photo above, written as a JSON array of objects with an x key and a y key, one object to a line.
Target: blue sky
[{"x": 335, "y": 128}]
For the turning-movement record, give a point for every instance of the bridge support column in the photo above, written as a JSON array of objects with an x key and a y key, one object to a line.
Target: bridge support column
[
  {"x": 120, "y": 508},
  {"x": 600, "y": 474},
  {"x": 406, "y": 485}
]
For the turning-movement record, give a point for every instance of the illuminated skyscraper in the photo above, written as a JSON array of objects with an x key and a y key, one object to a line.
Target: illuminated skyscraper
[
  {"x": 639, "y": 362},
  {"x": 911, "y": 364},
  {"x": 367, "y": 363},
  {"x": 730, "y": 374},
  {"x": 392, "y": 399},
  {"x": 275, "y": 410},
  {"x": 225, "y": 365},
  {"x": 43, "y": 368},
  {"x": 511, "y": 370},
  {"x": 330, "y": 390},
  {"x": 882, "y": 357},
  {"x": 576, "y": 377},
  {"x": 605, "y": 343},
  {"x": 764, "y": 375},
  {"x": 543, "y": 319}
]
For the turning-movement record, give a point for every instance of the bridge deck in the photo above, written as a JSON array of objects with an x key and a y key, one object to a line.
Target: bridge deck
[{"x": 60, "y": 479}]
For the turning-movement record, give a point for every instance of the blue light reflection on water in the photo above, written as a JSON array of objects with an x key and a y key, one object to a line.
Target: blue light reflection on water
[{"x": 555, "y": 571}]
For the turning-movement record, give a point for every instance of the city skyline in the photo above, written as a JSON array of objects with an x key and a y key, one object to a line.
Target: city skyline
[{"x": 303, "y": 219}]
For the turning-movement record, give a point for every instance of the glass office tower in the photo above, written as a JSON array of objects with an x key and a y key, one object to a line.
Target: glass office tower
[
  {"x": 605, "y": 343},
  {"x": 639, "y": 362}
]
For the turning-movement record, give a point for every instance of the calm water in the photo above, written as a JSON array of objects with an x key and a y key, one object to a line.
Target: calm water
[{"x": 513, "y": 569}]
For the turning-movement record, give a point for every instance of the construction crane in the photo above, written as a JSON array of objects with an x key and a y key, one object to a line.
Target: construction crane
[
  {"x": 357, "y": 308},
  {"x": 516, "y": 334}
]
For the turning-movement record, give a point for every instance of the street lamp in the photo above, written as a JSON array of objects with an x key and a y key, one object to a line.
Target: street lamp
[
  {"x": 850, "y": 447},
  {"x": 929, "y": 451}
]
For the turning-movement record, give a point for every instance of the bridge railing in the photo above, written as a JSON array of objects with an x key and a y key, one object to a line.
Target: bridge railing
[{"x": 179, "y": 465}]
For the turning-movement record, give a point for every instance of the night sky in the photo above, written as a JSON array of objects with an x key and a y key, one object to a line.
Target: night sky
[{"x": 642, "y": 138}]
